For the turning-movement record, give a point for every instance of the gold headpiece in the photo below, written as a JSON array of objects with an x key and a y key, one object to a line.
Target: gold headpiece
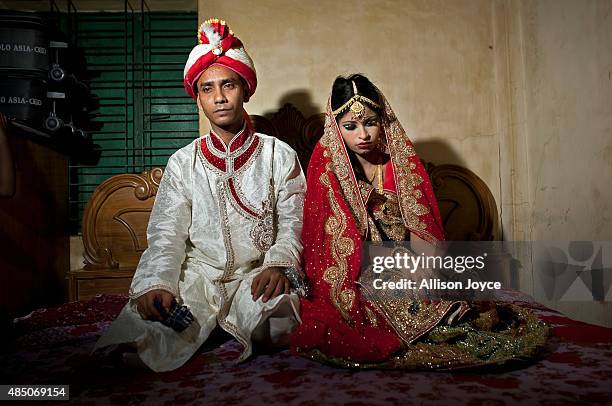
[{"x": 355, "y": 105}]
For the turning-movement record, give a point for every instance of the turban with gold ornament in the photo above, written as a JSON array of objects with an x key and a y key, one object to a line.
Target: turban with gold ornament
[{"x": 218, "y": 46}]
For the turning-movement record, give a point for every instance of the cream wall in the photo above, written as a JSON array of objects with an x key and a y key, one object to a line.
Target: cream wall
[
  {"x": 518, "y": 91},
  {"x": 569, "y": 121},
  {"x": 556, "y": 126}
]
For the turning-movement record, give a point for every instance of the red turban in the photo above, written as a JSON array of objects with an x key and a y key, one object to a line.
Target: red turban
[{"x": 218, "y": 46}]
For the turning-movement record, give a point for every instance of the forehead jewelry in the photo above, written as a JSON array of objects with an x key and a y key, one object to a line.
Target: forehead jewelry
[
  {"x": 357, "y": 108},
  {"x": 355, "y": 104}
]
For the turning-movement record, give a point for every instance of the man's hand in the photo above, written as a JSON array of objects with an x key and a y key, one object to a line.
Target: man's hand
[
  {"x": 271, "y": 283},
  {"x": 147, "y": 309}
]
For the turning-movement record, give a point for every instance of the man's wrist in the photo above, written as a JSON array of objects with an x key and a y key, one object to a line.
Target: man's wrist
[{"x": 297, "y": 280}]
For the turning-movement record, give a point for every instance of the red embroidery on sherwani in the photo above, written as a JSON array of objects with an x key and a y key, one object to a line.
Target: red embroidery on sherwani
[
  {"x": 242, "y": 205},
  {"x": 217, "y": 143},
  {"x": 240, "y": 140},
  {"x": 214, "y": 160},
  {"x": 244, "y": 147},
  {"x": 216, "y": 153},
  {"x": 243, "y": 158},
  {"x": 235, "y": 144}
]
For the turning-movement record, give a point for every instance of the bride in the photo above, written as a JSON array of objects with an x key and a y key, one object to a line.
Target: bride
[{"x": 366, "y": 183}]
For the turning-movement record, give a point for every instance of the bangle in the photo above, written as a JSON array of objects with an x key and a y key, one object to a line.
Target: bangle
[{"x": 298, "y": 281}]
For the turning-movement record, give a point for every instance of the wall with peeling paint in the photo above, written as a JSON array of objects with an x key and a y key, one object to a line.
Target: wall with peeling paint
[{"x": 556, "y": 110}]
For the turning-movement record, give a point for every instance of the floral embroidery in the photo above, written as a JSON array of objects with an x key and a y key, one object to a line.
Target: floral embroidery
[
  {"x": 341, "y": 167},
  {"x": 262, "y": 233},
  {"x": 407, "y": 180},
  {"x": 341, "y": 247},
  {"x": 371, "y": 316}
]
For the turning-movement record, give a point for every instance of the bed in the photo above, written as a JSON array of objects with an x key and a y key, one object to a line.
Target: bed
[{"x": 53, "y": 345}]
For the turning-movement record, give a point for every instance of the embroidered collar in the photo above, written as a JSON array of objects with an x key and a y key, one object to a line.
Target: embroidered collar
[
  {"x": 236, "y": 142},
  {"x": 232, "y": 158}
]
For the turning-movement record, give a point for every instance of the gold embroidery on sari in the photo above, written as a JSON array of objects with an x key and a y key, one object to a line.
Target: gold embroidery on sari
[
  {"x": 462, "y": 346},
  {"x": 404, "y": 309},
  {"x": 407, "y": 181},
  {"x": 386, "y": 213},
  {"x": 341, "y": 167},
  {"x": 365, "y": 189},
  {"x": 371, "y": 316},
  {"x": 341, "y": 247},
  {"x": 373, "y": 234},
  {"x": 412, "y": 319}
]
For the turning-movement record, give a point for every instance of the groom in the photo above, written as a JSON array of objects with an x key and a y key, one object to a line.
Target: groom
[{"x": 224, "y": 232}]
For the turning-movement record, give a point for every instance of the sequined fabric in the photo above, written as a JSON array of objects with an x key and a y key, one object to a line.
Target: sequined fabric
[
  {"x": 517, "y": 337},
  {"x": 337, "y": 218},
  {"x": 386, "y": 216},
  {"x": 345, "y": 323}
]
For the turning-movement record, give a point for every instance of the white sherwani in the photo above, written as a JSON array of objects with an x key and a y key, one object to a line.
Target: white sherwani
[{"x": 221, "y": 216}]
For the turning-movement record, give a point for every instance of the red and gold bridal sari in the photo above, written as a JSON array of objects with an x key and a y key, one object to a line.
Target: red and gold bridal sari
[{"x": 344, "y": 323}]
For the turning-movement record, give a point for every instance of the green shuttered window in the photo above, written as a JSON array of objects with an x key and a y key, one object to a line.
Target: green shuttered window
[{"x": 143, "y": 106}]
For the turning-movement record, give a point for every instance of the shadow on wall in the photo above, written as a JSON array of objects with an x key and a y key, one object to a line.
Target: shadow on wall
[
  {"x": 438, "y": 152},
  {"x": 301, "y": 99}
]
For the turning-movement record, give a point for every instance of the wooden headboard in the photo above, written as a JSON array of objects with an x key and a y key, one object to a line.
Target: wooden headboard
[
  {"x": 116, "y": 216},
  {"x": 114, "y": 234}
]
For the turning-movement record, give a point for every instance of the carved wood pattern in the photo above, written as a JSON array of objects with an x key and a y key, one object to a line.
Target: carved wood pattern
[
  {"x": 109, "y": 239},
  {"x": 263, "y": 125},
  {"x": 147, "y": 183},
  {"x": 137, "y": 235},
  {"x": 467, "y": 207},
  {"x": 289, "y": 125}
]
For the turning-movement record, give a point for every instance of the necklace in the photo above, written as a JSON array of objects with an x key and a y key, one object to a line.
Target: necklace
[
  {"x": 371, "y": 180},
  {"x": 378, "y": 174}
]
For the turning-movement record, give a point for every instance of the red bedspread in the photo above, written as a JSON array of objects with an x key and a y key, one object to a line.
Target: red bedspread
[{"x": 54, "y": 345}]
